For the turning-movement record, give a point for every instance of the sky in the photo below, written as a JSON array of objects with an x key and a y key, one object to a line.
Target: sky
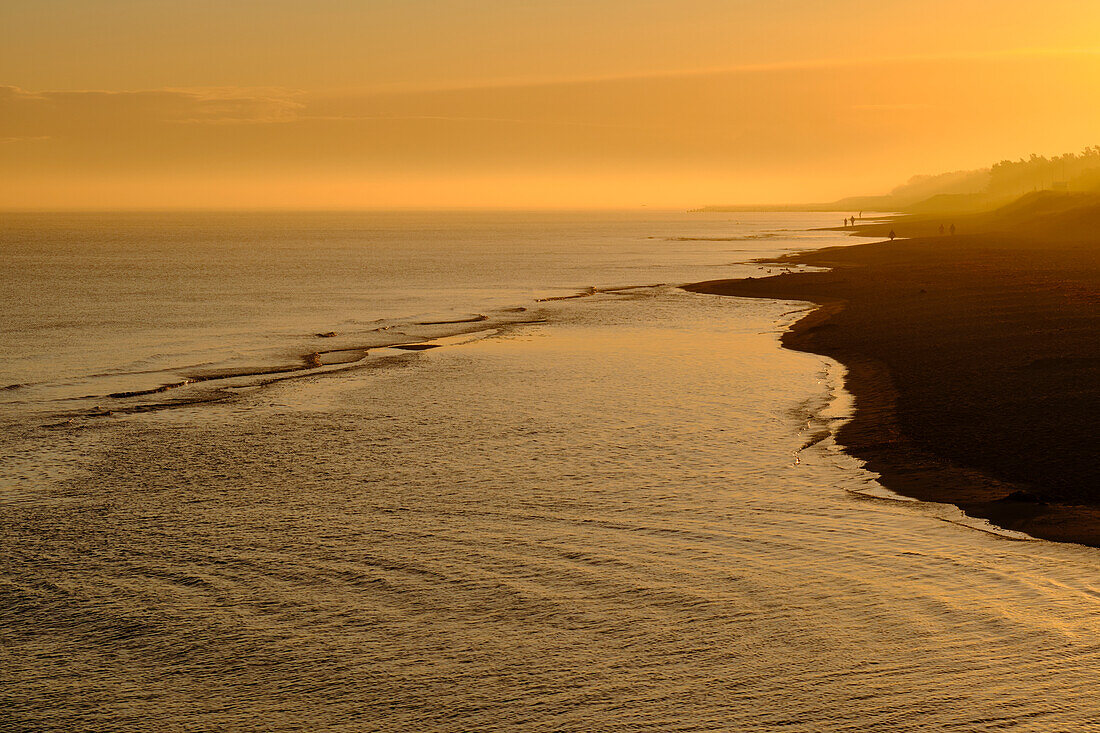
[{"x": 338, "y": 104}]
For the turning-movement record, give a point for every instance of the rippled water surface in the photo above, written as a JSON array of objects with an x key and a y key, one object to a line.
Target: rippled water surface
[{"x": 617, "y": 512}]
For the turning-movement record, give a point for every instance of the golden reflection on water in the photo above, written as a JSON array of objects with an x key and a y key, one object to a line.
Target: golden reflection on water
[{"x": 609, "y": 522}]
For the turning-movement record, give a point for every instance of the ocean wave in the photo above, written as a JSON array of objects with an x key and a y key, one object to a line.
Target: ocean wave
[
  {"x": 742, "y": 238},
  {"x": 207, "y": 382},
  {"x": 353, "y": 344},
  {"x": 474, "y": 318}
]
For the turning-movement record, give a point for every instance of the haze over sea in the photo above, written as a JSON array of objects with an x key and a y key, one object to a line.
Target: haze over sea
[{"x": 233, "y": 498}]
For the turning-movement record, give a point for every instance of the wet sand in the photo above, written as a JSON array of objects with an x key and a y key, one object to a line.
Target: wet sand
[{"x": 974, "y": 361}]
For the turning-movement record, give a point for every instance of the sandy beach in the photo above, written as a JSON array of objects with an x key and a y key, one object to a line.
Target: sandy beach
[{"x": 973, "y": 360}]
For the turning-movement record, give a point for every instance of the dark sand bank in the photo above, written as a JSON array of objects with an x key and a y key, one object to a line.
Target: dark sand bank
[{"x": 975, "y": 365}]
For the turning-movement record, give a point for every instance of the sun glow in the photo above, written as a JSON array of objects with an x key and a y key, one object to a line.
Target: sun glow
[{"x": 514, "y": 104}]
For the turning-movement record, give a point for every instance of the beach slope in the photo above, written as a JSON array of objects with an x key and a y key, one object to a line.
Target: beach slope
[{"x": 974, "y": 361}]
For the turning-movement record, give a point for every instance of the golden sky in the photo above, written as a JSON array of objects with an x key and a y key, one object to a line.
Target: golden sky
[{"x": 527, "y": 103}]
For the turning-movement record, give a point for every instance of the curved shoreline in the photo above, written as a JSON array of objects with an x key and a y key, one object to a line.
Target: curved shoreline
[{"x": 946, "y": 342}]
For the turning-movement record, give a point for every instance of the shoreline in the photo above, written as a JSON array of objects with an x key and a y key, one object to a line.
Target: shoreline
[{"x": 973, "y": 364}]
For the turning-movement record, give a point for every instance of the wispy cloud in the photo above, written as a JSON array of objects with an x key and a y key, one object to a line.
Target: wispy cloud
[
  {"x": 823, "y": 64},
  {"x": 901, "y": 107},
  {"x": 23, "y": 139},
  {"x": 26, "y": 114}
]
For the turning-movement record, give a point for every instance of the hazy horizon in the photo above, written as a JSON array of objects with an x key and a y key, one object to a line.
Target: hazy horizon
[{"x": 346, "y": 106}]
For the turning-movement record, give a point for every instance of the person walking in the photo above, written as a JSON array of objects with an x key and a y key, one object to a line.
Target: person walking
[{"x": 892, "y": 235}]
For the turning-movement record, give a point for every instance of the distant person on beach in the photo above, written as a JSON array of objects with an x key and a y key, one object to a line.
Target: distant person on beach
[
  {"x": 892, "y": 235},
  {"x": 952, "y": 230},
  {"x": 941, "y": 230}
]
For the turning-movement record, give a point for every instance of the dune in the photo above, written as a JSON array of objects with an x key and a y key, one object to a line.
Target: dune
[{"x": 1046, "y": 215}]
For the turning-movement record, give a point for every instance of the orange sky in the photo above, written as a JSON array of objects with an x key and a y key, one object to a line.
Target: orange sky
[{"x": 526, "y": 103}]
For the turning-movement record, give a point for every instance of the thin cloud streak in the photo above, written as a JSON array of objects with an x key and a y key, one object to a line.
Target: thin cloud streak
[
  {"x": 816, "y": 64},
  {"x": 773, "y": 133}
]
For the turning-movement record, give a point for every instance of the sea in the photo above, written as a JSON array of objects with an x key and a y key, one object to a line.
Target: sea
[{"x": 477, "y": 471}]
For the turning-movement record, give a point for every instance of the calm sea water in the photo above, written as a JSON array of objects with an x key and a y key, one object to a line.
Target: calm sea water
[{"x": 528, "y": 484}]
